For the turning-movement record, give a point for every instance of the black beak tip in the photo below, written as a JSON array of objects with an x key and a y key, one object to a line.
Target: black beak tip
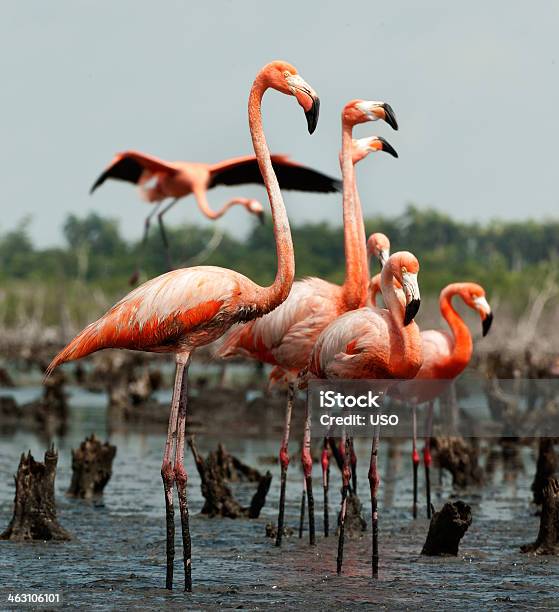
[
  {"x": 486, "y": 324},
  {"x": 262, "y": 218},
  {"x": 411, "y": 310},
  {"x": 390, "y": 116},
  {"x": 388, "y": 148},
  {"x": 312, "y": 115}
]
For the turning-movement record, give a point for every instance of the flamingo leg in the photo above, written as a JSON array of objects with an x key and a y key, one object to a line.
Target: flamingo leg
[
  {"x": 168, "y": 473},
  {"x": 136, "y": 274},
  {"x": 345, "y": 489},
  {"x": 164, "y": 232},
  {"x": 427, "y": 455},
  {"x": 415, "y": 459},
  {"x": 374, "y": 481},
  {"x": 306, "y": 459},
  {"x": 325, "y": 462},
  {"x": 303, "y": 503},
  {"x": 180, "y": 473},
  {"x": 353, "y": 458},
  {"x": 284, "y": 460}
]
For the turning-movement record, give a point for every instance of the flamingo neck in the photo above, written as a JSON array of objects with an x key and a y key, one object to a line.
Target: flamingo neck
[
  {"x": 357, "y": 270},
  {"x": 391, "y": 301},
  {"x": 204, "y": 205},
  {"x": 278, "y": 291},
  {"x": 463, "y": 346}
]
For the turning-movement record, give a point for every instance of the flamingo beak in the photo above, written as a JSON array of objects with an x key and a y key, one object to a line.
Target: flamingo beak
[
  {"x": 413, "y": 300},
  {"x": 307, "y": 98},
  {"x": 386, "y": 147},
  {"x": 482, "y": 306},
  {"x": 384, "y": 111},
  {"x": 261, "y": 217},
  {"x": 383, "y": 256},
  {"x": 486, "y": 324}
]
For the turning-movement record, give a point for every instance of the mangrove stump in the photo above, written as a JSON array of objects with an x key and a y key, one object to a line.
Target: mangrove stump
[
  {"x": 34, "y": 504},
  {"x": 546, "y": 468},
  {"x": 459, "y": 458},
  {"x": 92, "y": 464},
  {"x": 447, "y": 528}
]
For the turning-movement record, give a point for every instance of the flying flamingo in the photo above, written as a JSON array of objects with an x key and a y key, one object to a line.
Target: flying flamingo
[
  {"x": 183, "y": 309},
  {"x": 373, "y": 343},
  {"x": 285, "y": 338},
  {"x": 445, "y": 356},
  {"x": 180, "y": 178}
]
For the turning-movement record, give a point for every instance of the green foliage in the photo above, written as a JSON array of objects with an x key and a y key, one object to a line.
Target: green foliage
[{"x": 508, "y": 258}]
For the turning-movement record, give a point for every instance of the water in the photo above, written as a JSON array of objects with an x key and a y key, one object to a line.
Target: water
[{"x": 116, "y": 560}]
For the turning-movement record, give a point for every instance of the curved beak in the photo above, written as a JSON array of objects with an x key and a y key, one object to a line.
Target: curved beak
[
  {"x": 383, "y": 256},
  {"x": 413, "y": 299},
  {"x": 387, "y": 147},
  {"x": 307, "y": 98},
  {"x": 385, "y": 112},
  {"x": 486, "y": 324},
  {"x": 482, "y": 306},
  {"x": 261, "y": 217}
]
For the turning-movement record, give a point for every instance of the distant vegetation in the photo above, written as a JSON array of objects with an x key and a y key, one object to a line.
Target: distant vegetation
[{"x": 509, "y": 258}]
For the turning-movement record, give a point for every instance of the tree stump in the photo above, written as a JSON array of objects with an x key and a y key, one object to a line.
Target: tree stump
[
  {"x": 546, "y": 468},
  {"x": 447, "y": 528},
  {"x": 355, "y": 524},
  {"x": 547, "y": 542},
  {"x": 460, "y": 459},
  {"x": 214, "y": 474},
  {"x": 92, "y": 465},
  {"x": 34, "y": 504}
]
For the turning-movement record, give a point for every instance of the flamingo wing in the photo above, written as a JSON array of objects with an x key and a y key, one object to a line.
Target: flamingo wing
[
  {"x": 290, "y": 174},
  {"x": 133, "y": 167}
]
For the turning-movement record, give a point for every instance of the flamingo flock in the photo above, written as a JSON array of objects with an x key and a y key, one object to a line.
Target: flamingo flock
[{"x": 309, "y": 328}]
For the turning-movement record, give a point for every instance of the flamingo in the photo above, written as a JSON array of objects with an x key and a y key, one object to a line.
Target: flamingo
[
  {"x": 285, "y": 338},
  {"x": 184, "y": 309},
  {"x": 445, "y": 356},
  {"x": 179, "y": 179},
  {"x": 371, "y": 343}
]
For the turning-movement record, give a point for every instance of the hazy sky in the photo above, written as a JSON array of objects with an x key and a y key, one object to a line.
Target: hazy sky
[{"x": 474, "y": 85}]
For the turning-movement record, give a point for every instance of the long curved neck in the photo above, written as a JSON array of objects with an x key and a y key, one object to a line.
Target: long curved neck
[
  {"x": 204, "y": 205},
  {"x": 393, "y": 304},
  {"x": 463, "y": 345},
  {"x": 357, "y": 270},
  {"x": 278, "y": 291}
]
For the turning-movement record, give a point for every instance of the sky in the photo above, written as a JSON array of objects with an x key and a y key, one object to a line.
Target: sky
[{"x": 474, "y": 86}]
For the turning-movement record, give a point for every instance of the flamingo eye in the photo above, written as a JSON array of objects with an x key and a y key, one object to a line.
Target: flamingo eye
[
  {"x": 286, "y": 73},
  {"x": 404, "y": 269}
]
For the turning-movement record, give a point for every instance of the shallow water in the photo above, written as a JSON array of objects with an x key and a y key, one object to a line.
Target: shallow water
[{"x": 116, "y": 560}]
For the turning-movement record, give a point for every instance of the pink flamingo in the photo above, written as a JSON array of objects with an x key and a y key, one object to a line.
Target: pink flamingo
[
  {"x": 445, "y": 356},
  {"x": 183, "y": 309},
  {"x": 179, "y": 179},
  {"x": 285, "y": 338},
  {"x": 373, "y": 343}
]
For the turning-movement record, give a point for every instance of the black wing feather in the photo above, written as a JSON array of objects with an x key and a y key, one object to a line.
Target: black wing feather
[
  {"x": 126, "y": 169},
  {"x": 290, "y": 176}
]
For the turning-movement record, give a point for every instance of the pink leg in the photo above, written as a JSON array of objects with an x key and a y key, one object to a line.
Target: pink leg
[
  {"x": 374, "y": 481},
  {"x": 168, "y": 473},
  {"x": 180, "y": 473},
  {"x": 325, "y": 462},
  {"x": 306, "y": 459},
  {"x": 427, "y": 456},
  {"x": 346, "y": 475},
  {"x": 415, "y": 459},
  {"x": 284, "y": 460}
]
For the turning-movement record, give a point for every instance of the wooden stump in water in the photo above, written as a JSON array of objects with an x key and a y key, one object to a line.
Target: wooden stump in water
[
  {"x": 447, "y": 528},
  {"x": 92, "y": 467},
  {"x": 216, "y": 471},
  {"x": 546, "y": 468},
  {"x": 459, "y": 458},
  {"x": 547, "y": 542},
  {"x": 355, "y": 524},
  {"x": 34, "y": 505}
]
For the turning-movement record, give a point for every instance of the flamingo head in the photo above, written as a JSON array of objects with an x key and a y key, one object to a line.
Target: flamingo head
[
  {"x": 361, "y": 111},
  {"x": 361, "y": 147},
  {"x": 474, "y": 297},
  {"x": 256, "y": 208},
  {"x": 285, "y": 78},
  {"x": 405, "y": 267},
  {"x": 378, "y": 245}
]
